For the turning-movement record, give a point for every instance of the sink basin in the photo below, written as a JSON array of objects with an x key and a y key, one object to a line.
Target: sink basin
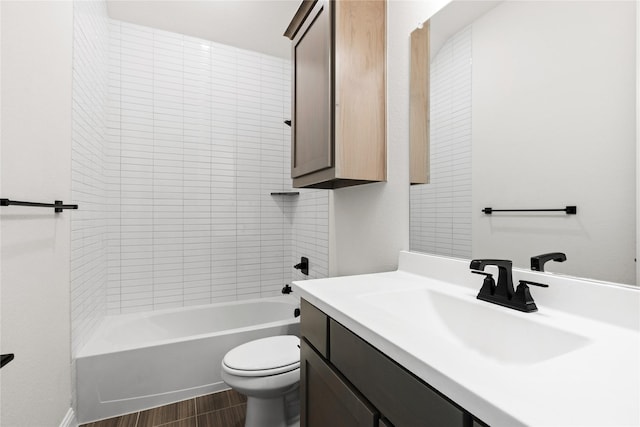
[{"x": 490, "y": 331}]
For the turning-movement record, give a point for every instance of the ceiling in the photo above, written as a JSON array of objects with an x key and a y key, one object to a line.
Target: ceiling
[{"x": 255, "y": 25}]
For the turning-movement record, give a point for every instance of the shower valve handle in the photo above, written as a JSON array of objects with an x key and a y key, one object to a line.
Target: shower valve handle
[{"x": 303, "y": 266}]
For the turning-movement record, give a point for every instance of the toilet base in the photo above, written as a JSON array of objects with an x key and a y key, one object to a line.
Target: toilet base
[{"x": 281, "y": 411}]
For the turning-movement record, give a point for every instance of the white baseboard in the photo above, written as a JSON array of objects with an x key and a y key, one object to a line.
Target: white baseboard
[{"x": 69, "y": 419}]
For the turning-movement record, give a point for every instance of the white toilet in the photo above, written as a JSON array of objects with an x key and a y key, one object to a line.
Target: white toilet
[{"x": 267, "y": 371}]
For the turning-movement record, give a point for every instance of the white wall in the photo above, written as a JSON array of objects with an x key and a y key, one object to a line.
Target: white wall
[
  {"x": 370, "y": 223},
  {"x": 1, "y": 346},
  {"x": 36, "y": 164},
  {"x": 637, "y": 139},
  {"x": 555, "y": 126}
]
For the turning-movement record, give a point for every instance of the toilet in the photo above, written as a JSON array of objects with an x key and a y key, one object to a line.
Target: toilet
[{"x": 267, "y": 371}]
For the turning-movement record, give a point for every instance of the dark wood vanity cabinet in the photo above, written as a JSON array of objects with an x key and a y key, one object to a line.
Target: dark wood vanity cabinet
[
  {"x": 328, "y": 400},
  {"x": 347, "y": 382}
]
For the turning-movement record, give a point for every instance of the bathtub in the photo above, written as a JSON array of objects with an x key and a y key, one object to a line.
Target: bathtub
[{"x": 138, "y": 361}]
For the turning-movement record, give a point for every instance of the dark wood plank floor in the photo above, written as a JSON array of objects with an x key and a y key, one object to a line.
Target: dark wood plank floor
[{"x": 223, "y": 409}]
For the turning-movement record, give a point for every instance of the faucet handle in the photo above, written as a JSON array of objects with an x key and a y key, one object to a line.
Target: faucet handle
[
  {"x": 527, "y": 282},
  {"x": 522, "y": 299},
  {"x": 482, "y": 273},
  {"x": 489, "y": 285}
]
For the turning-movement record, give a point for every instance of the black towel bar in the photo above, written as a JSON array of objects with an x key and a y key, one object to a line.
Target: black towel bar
[
  {"x": 569, "y": 210},
  {"x": 58, "y": 205}
]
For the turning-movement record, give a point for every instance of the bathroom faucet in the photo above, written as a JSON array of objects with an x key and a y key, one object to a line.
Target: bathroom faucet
[
  {"x": 503, "y": 293},
  {"x": 538, "y": 261},
  {"x": 504, "y": 288}
]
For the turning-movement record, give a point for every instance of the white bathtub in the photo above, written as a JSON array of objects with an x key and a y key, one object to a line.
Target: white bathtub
[{"x": 138, "y": 361}]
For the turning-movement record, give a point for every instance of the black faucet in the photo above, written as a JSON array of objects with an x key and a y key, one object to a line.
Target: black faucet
[
  {"x": 503, "y": 293},
  {"x": 538, "y": 261},
  {"x": 303, "y": 266},
  {"x": 504, "y": 288}
]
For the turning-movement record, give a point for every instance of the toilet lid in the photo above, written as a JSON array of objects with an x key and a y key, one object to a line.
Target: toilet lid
[{"x": 265, "y": 356}]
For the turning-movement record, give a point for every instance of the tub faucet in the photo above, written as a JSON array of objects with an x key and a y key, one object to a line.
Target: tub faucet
[
  {"x": 503, "y": 293},
  {"x": 538, "y": 261}
]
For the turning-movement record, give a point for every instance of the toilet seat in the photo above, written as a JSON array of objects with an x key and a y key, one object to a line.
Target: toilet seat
[{"x": 264, "y": 357}]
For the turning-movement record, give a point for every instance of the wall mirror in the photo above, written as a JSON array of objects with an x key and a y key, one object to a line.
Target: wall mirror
[{"x": 531, "y": 105}]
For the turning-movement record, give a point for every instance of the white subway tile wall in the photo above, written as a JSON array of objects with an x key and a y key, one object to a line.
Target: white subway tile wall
[
  {"x": 198, "y": 143},
  {"x": 89, "y": 169},
  {"x": 441, "y": 211},
  {"x": 310, "y": 233}
]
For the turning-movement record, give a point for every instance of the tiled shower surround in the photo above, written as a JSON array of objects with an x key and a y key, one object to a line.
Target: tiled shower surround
[
  {"x": 89, "y": 171},
  {"x": 175, "y": 200},
  {"x": 441, "y": 210}
]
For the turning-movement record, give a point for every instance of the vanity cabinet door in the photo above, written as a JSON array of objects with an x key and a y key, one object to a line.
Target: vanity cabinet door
[
  {"x": 326, "y": 398},
  {"x": 314, "y": 327},
  {"x": 401, "y": 397},
  {"x": 385, "y": 423}
]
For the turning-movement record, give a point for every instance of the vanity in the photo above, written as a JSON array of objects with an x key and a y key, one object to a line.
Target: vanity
[
  {"x": 415, "y": 347},
  {"x": 342, "y": 373}
]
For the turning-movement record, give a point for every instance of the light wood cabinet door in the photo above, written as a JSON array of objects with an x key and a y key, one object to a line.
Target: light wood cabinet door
[
  {"x": 419, "y": 163},
  {"x": 312, "y": 123}
]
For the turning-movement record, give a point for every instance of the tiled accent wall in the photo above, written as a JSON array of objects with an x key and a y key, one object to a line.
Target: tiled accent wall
[
  {"x": 311, "y": 233},
  {"x": 441, "y": 211},
  {"x": 197, "y": 143},
  {"x": 89, "y": 154},
  {"x": 177, "y": 145}
]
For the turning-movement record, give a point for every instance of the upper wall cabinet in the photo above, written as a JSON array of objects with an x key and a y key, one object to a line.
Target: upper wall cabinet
[
  {"x": 419, "y": 106},
  {"x": 338, "y": 95}
]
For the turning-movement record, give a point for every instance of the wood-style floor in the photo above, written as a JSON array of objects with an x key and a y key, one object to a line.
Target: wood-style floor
[{"x": 223, "y": 409}]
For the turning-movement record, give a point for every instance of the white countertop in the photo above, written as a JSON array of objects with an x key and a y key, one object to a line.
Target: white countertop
[{"x": 593, "y": 382}]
